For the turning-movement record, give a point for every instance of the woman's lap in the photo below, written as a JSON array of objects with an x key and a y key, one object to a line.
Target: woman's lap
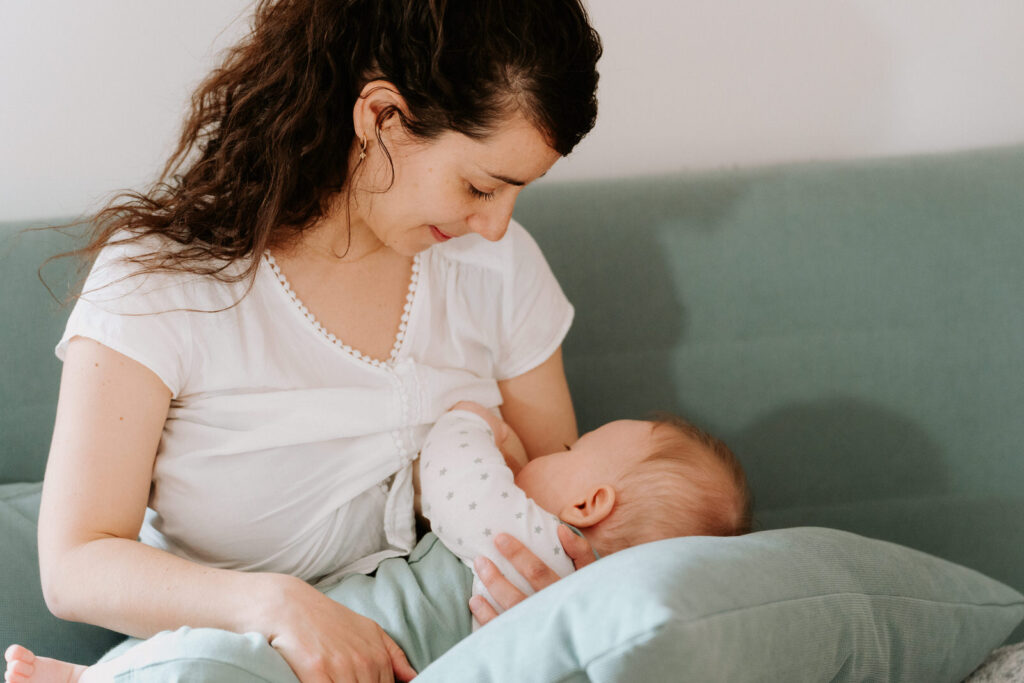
[{"x": 420, "y": 601}]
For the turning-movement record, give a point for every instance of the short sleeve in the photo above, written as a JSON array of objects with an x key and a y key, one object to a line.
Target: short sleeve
[
  {"x": 536, "y": 313},
  {"x": 141, "y": 316}
]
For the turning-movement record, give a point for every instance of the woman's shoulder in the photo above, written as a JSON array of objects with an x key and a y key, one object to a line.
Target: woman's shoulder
[
  {"x": 152, "y": 268},
  {"x": 137, "y": 251}
]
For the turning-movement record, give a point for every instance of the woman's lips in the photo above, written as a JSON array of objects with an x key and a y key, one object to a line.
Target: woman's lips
[{"x": 438, "y": 235}]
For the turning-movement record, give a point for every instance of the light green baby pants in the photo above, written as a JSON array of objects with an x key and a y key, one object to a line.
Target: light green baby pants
[{"x": 420, "y": 601}]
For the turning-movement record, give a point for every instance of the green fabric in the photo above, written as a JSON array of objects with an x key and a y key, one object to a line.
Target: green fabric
[
  {"x": 201, "y": 655},
  {"x": 423, "y": 603},
  {"x": 33, "y": 322},
  {"x": 985, "y": 534},
  {"x": 852, "y": 330},
  {"x": 420, "y": 601},
  {"x": 802, "y": 604},
  {"x": 794, "y": 604},
  {"x": 24, "y": 617}
]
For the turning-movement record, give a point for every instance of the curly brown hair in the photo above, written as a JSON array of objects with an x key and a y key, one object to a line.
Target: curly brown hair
[{"x": 264, "y": 148}]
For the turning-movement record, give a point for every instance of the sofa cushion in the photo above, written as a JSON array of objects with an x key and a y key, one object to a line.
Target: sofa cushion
[
  {"x": 24, "y": 618},
  {"x": 801, "y": 604},
  {"x": 790, "y": 604},
  {"x": 984, "y": 534}
]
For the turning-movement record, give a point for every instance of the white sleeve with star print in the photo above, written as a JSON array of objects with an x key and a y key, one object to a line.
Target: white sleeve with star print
[{"x": 469, "y": 495}]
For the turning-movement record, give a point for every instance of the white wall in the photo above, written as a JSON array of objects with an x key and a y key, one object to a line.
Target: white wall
[
  {"x": 92, "y": 93},
  {"x": 685, "y": 84},
  {"x": 706, "y": 83}
]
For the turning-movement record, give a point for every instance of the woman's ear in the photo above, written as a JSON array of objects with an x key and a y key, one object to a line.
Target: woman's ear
[
  {"x": 374, "y": 106},
  {"x": 590, "y": 510}
]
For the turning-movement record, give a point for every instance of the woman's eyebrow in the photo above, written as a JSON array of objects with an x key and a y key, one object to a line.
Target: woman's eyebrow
[{"x": 510, "y": 181}]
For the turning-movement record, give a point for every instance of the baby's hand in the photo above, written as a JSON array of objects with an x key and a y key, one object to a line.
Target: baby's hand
[
  {"x": 474, "y": 407},
  {"x": 505, "y": 438}
]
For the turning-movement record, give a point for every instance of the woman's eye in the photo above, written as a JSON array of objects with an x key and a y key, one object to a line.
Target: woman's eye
[{"x": 480, "y": 194}]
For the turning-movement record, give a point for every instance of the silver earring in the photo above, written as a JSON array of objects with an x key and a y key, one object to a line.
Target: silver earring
[{"x": 362, "y": 148}]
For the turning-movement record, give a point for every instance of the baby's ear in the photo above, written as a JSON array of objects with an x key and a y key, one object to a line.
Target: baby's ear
[{"x": 591, "y": 509}]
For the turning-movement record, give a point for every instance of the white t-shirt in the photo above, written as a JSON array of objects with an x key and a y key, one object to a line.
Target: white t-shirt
[
  {"x": 470, "y": 496},
  {"x": 286, "y": 451}
]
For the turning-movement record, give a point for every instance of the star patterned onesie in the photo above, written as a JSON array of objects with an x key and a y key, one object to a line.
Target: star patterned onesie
[{"x": 469, "y": 495}]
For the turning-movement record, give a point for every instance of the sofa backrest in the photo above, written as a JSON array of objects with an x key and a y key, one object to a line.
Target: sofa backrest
[
  {"x": 863, "y": 321},
  {"x": 853, "y": 330},
  {"x": 856, "y": 313},
  {"x": 33, "y": 321}
]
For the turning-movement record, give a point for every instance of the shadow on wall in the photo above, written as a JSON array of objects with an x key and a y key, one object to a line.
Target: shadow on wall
[
  {"x": 610, "y": 258},
  {"x": 835, "y": 451},
  {"x": 632, "y": 257},
  {"x": 706, "y": 84}
]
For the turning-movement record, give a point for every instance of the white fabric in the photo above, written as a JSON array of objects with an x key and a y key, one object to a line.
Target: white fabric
[
  {"x": 285, "y": 452},
  {"x": 469, "y": 495},
  {"x": 1003, "y": 665}
]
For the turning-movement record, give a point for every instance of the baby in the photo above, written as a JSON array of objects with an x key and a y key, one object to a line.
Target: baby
[{"x": 625, "y": 483}]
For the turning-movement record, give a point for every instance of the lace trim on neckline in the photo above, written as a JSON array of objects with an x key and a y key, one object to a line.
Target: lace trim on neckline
[{"x": 403, "y": 324}]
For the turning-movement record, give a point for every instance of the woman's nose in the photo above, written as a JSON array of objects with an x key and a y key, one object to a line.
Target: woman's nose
[{"x": 491, "y": 222}]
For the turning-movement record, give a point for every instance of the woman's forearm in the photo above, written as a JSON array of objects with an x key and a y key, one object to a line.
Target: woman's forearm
[
  {"x": 538, "y": 407},
  {"x": 131, "y": 588}
]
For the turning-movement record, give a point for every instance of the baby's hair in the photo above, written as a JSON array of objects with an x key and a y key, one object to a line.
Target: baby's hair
[{"x": 690, "y": 484}]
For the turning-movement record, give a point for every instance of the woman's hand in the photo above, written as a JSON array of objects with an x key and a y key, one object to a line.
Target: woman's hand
[
  {"x": 324, "y": 641},
  {"x": 536, "y": 573}
]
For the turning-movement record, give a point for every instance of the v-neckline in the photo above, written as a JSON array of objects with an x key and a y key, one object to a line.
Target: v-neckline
[{"x": 403, "y": 324}]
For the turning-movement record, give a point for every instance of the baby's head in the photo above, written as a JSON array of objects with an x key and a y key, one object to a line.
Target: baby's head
[{"x": 634, "y": 481}]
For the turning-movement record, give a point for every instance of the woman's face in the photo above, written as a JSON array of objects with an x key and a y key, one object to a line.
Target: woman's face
[{"x": 445, "y": 188}]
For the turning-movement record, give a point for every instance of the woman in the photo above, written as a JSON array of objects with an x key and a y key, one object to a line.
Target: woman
[{"x": 267, "y": 335}]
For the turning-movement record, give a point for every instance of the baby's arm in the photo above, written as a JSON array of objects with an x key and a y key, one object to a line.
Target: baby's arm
[
  {"x": 469, "y": 496},
  {"x": 505, "y": 437}
]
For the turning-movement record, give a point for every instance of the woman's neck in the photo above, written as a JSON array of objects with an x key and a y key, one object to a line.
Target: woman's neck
[{"x": 335, "y": 238}]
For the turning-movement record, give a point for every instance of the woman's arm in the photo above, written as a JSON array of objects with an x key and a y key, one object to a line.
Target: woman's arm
[
  {"x": 538, "y": 407},
  {"x": 110, "y": 416},
  {"x": 505, "y": 438}
]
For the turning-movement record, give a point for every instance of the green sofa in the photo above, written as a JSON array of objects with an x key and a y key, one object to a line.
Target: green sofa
[{"x": 854, "y": 330}]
